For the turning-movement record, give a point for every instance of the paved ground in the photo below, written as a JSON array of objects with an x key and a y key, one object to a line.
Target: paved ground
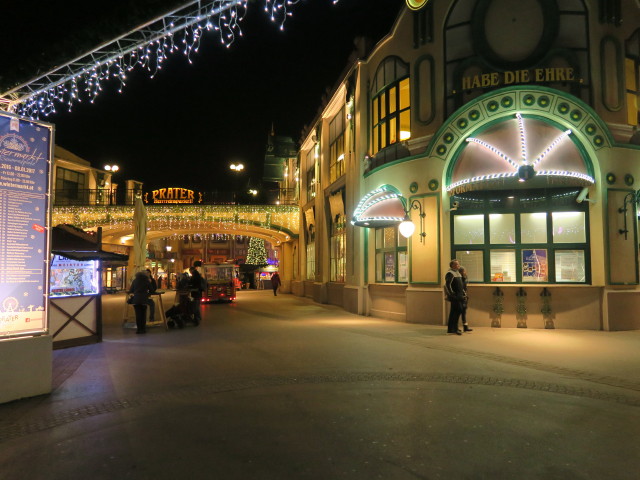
[{"x": 281, "y": 388}]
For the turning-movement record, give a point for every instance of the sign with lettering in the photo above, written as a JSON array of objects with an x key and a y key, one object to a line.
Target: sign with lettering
[
  {"x": 25, "y": 155},
  {"x": 513, "y": 77},
  {"x": 172, "y": 195}
]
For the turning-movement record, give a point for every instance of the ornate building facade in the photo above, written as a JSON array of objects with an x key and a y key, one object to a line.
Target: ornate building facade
[{"x": 510, "y": 139}]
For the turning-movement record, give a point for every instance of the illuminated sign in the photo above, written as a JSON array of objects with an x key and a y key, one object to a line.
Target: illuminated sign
[
  {"x": 512, "y": 77},
  {"x": 173, "y": 195}
]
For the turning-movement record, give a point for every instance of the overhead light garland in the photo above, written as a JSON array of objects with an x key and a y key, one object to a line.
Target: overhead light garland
[
  {"x": 278, "y": 218},
  {"x": 147, "y": 46}
]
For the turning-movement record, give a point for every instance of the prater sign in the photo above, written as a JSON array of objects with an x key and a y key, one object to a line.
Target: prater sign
[{"x": 172, "y": 195}]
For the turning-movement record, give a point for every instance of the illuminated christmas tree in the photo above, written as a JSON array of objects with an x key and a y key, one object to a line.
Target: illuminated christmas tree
[{"x": 257, "y": 254}]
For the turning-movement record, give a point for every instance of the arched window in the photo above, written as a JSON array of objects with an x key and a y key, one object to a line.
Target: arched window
[
  {"x": 390, "y": 104},
  {"x": 518, "y": 209}
]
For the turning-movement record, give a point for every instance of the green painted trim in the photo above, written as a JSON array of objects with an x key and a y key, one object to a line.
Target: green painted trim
[
  {"x": 478, "y": 103},
  {"x": 418, "y": 82},
  {"x": 438, "y": 246},
  {"x": 367, "y": 232},
  {"x": 619, "y": 62},
  {"x": 391, "y": 164},
  {"x": 608, "y": 232}
]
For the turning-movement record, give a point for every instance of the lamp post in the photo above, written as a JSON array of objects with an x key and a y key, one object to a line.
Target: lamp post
[
  {"x": 238, "y": 168},
  {"x": 168, "y": 248},
  {"x": 113, "y": 169},
  {"x": 407, "y": 227}
]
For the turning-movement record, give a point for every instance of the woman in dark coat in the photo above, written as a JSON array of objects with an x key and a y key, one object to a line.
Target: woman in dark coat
[
  {"x": 141, "y": 288},
  {"x": 275, "y": 282}
]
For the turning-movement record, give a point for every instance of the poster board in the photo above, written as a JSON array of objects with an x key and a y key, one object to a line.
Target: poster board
[{"x": 26, "y": 149}]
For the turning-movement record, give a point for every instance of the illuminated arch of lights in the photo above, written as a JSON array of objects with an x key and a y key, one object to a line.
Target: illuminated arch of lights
[
  {"x": 523, "y": 168},
  {"x": 146, "y": 47}
]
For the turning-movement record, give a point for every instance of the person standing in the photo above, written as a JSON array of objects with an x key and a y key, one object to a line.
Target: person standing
[
  {"x": 454, "y": 291},
  {"x": 275, "y": 282},
  {"x": 150, "y": 302},
  {"x": 463, "y": 273},
  {"x": 196, "y": 285},
  {"x": 140, "y": 289}
]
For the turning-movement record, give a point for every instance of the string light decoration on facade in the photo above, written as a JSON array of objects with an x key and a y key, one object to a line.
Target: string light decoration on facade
[
  {"x": 379, "y": 207},
  {"x": 280, "y": 222},
  {"x": 146, "y": 47},
  {"x": 257, "y": 253},
  {"x": 524, "y": 169}
]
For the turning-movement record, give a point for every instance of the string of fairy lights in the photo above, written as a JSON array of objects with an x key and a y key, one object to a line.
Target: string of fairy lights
[
  {"x": 147, "y": 47},
  {"x": 278, "y": 218}
]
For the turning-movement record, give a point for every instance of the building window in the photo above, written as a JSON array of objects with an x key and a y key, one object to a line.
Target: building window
[
  {"x": 522, "y": 236},
  {"x": 336, "y": 146},
  {"x": 391, "y": 105},
  {"x": 69, "y": 184},
  {"x": 391, "y": 256},
  {"x": 311, "y": 174},
  {"x": 311, "y": 261},
  {"x": 338, "y": 244}
]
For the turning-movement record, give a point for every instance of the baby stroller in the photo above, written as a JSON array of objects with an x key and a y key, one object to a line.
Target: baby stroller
[{"x": 182, "y": 313}]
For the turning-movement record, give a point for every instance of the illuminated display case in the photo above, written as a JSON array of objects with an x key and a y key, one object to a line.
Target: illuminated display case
[{"x": 72, "y": 278}]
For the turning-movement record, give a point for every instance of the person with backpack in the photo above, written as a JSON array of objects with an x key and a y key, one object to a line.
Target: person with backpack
[{"x": 197, "y": 286}]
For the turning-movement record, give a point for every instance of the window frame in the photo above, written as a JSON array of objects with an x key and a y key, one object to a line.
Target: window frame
[
  {"x": 311, "y": 174},
  {"x": 549, "y": 206},
  {"x": 395, "y": 249},
  {"x": 386, "y": 124},
  {"x": 337, "y": 128}
]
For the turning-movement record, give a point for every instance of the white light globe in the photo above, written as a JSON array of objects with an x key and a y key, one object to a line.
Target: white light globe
[{"x": 407, "y": 228}]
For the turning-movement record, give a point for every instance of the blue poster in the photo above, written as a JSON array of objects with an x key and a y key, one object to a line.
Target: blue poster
[
  {"x": 534, "y": 265},
  {"x": 25, "y": 151}
]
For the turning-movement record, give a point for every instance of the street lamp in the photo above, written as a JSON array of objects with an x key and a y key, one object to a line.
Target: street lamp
[
  {"x": 407, "y": 227},
  {"x": 112, "y": 193},
  {"x": 238, "y": 168}
]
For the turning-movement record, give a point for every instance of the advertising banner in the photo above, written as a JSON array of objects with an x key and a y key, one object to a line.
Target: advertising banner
[{"x": 25, "y": 154}]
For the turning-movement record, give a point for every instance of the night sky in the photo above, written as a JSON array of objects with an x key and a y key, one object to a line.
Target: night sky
[{"x": 185, "y": 126}]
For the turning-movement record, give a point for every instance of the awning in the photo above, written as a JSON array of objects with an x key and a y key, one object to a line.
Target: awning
[
  {"x": 101, "y": 255},
  {"x": 382, "y": 207},
  {"x": 76, "y": 244}
]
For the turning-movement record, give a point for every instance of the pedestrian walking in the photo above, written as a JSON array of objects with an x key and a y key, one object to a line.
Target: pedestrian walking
[
  {"x": 463, "y": 273},
  {"x": 140, "y": 289},
  {"x": 454, "y": 290},
  {"x": 275, "y": 282}
]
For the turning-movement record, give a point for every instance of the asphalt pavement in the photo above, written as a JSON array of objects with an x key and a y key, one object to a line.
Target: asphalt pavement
[{"x": 283, "y": 388}]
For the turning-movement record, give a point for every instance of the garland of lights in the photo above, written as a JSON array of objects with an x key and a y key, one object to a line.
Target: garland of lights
[
  {"x": 146, "y": 47},
  {"x": 524, "y": 160},
  {"x": 365, "y": 203},
  {"x": 183, "y": 217}
]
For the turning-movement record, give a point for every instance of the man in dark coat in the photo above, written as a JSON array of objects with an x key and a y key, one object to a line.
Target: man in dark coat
[
  {"x": 454, "y": 290},
  {"x": 196, "y": 286}
]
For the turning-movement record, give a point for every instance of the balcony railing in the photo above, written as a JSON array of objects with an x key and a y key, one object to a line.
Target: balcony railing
[{"x": 102, "y": 197}]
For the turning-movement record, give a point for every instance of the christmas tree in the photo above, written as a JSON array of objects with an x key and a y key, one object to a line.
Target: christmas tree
[{"x": 257, "y": 254}]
